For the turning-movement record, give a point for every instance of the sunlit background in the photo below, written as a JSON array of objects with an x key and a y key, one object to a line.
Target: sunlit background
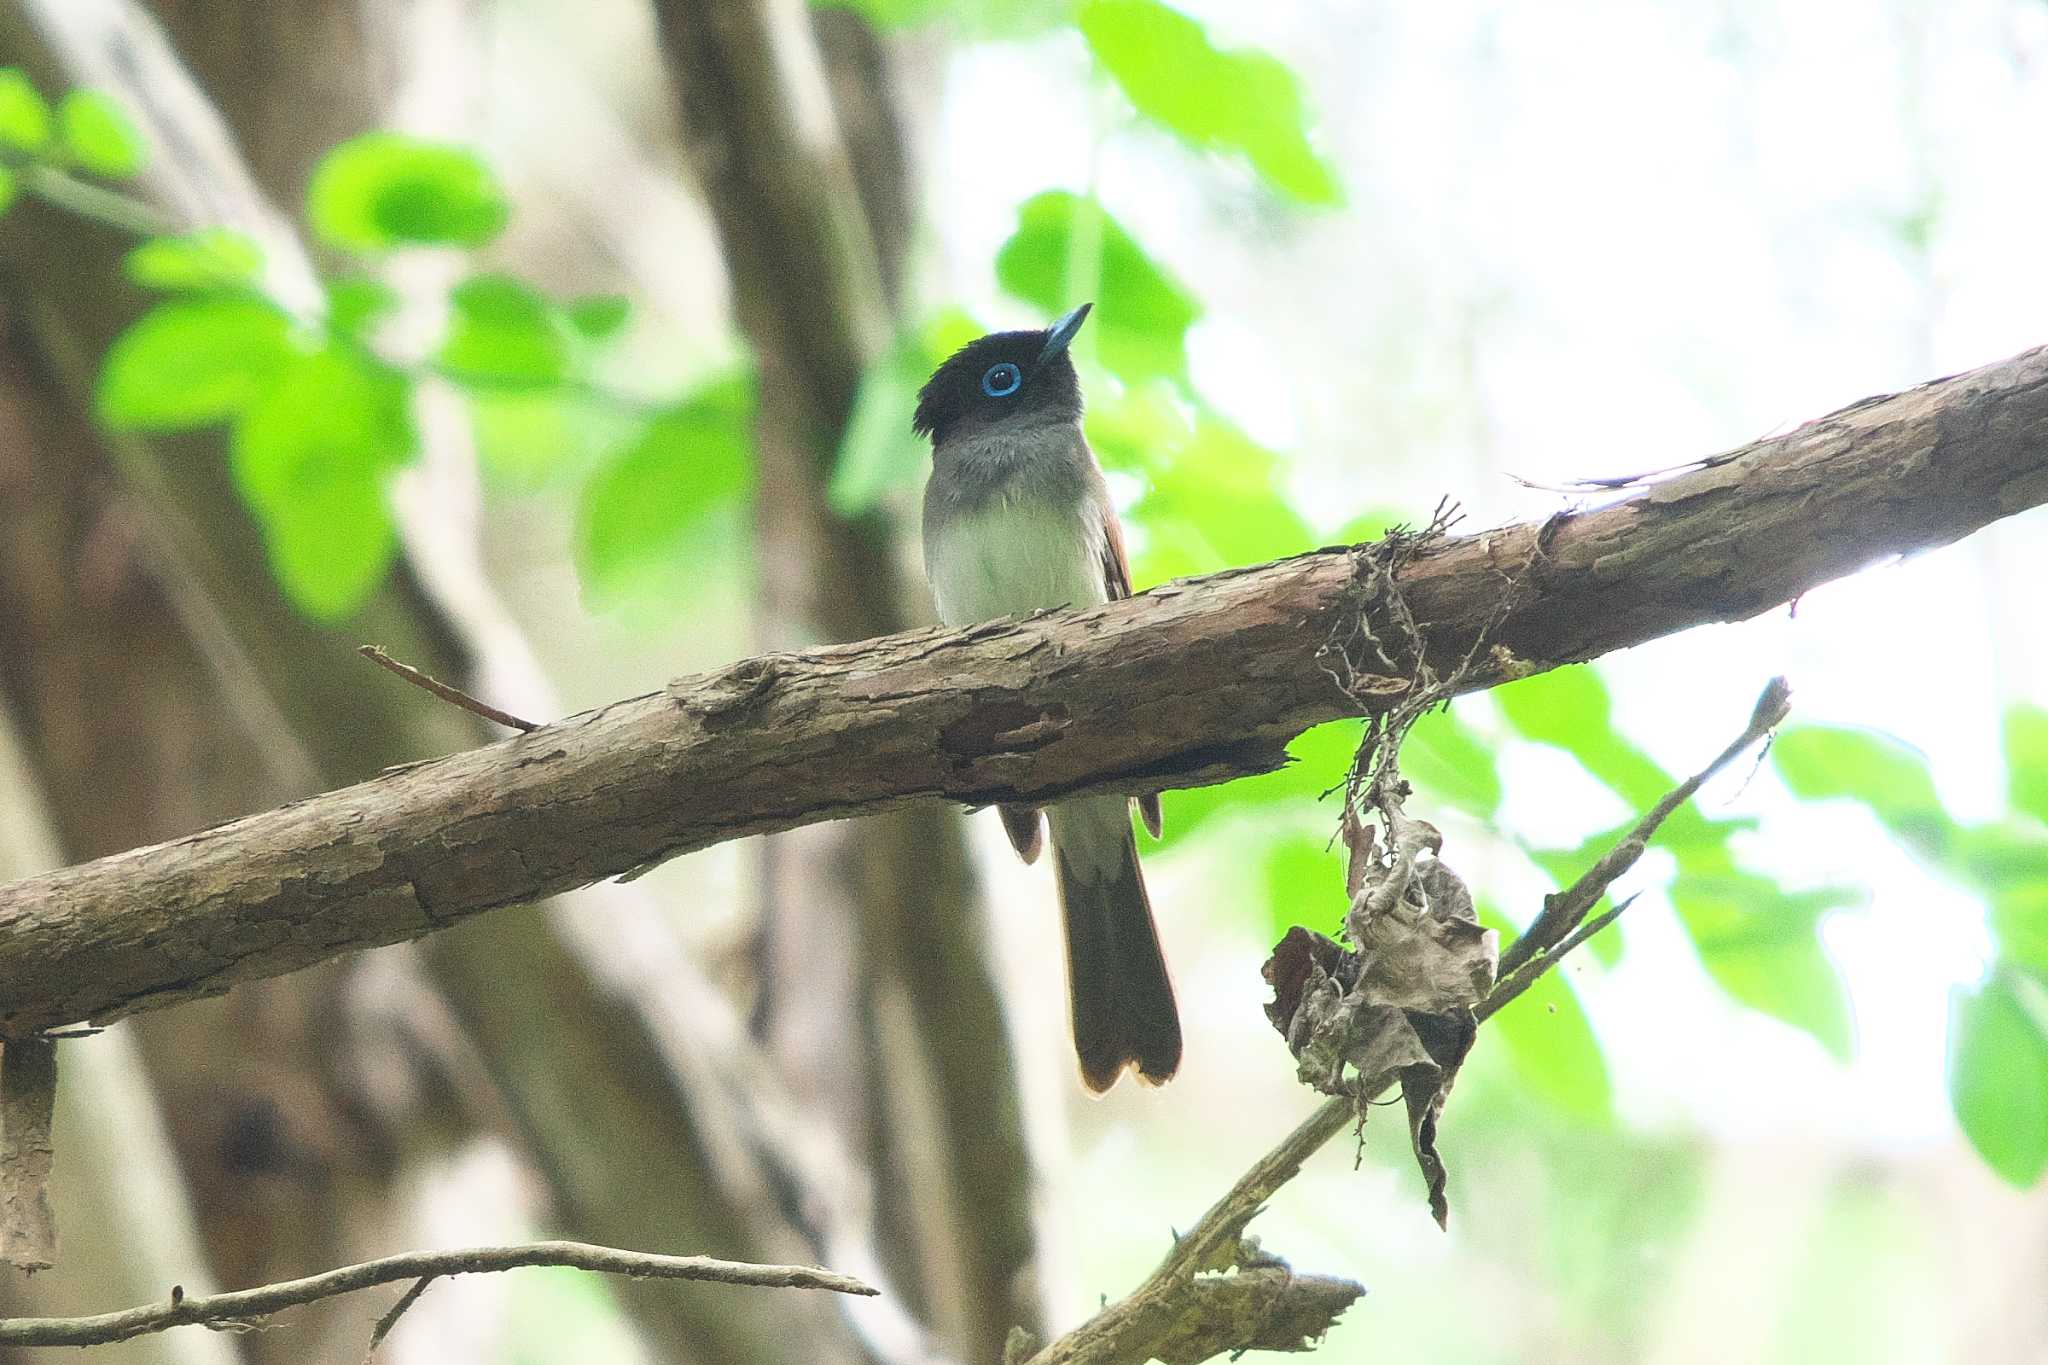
[{"x": 1348, "y": 259}]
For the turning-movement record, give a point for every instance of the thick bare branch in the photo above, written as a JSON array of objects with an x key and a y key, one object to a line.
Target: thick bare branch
[
  {"x": 1197, "y": 681},
  {"x": 241, "y": 1306}
]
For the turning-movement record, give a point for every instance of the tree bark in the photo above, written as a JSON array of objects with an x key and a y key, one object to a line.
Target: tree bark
[{"x": 1198, "y": 681}]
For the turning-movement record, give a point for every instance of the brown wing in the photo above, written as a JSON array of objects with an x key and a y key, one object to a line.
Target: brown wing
[{"x": 1116, "y": 578}]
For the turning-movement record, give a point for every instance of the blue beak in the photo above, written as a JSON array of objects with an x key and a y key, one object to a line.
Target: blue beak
[{"x": 1062, "y": 333}]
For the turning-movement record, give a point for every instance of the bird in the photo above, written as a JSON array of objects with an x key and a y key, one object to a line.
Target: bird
[{"x": 1018, "y": 519}]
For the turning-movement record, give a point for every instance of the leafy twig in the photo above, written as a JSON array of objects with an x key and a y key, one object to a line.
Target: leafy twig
[{"x": 243, "y": 1305}]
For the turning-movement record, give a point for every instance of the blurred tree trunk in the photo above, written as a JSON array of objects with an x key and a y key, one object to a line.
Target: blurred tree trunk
[
  {"x": 585, "y": 1080},
  {"x": 882, "y": 917},
  {"x": 133, "y": 739},
  {"x": 127, "y": 1227}
]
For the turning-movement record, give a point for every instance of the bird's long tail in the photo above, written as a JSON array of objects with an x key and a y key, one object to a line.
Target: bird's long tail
[{"x": 1117, "y": 985}]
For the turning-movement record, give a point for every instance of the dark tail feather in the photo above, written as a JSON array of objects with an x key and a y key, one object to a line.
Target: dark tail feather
[
  {"x": 1026, "y": 830},
  {"x": 1117, "y": 984}
]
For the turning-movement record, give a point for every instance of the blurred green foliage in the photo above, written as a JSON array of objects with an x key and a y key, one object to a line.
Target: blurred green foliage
[
  {"x": 194, "y": 359},
  {"x": 1757, "y": 940},
  {"x": 385, "y": 190},
  {"x": 1998, "y": 1030},
  {"x": 1239, "y": 101},
  {"x": 24, "y": 114},
  {"x": 1067, "y": 249},
  {"x": 97, "y": 136},
  {"x": 1550, "y": 1038},
  {"x": 880, "y": 454},
  {"x": 645, "y": 502},
  {"x": 209, "y": 259},
  {"x": 311, "y": 454},
  {"x": 502, "y": 333}
]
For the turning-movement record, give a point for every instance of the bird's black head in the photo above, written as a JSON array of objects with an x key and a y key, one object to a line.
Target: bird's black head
[{"x": 1001, "y": 377}]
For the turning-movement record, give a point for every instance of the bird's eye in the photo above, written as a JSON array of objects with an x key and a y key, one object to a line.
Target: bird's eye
[{"x": 1001, "y": 380}]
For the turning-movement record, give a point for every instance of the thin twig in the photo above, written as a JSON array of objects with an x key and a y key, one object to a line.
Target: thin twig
[
  {"x": 89, "y": 199},
  {"x": 1563, "y": 912},
  {"x": 1526, "y": 975},
  {"x": 243, "y": 1305},
  {"x": 455, "y": 696},
  {"x": 390, "y": 1319}
]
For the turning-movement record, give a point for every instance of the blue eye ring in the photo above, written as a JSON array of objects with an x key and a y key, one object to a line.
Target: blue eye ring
[{"x": 1002, "y": 380}]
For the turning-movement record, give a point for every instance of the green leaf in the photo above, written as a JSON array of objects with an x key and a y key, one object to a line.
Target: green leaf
[
  {"x": 599, "y": 317},
  {"x": 1304, "y": 884},
  {"x": 384, "y": 190},
  {"x": 890, "y": 13},
  {"x": 1318, "y": 760},
  {"x": 208, "y": 259},
  {"x": 528, "y": 440},
  {"x": 639, "y": 511},
  {"x": 1821, "y": 763},
  {"x": 98, "y": 135},
  {"x": 962, "y": 19},
  {"x": 2019, "y": 924},
  {"x": 1551, "y": 1041},
  {"x": 1066, "y": 250},
  {"x": 1241, "y": 101},
  {"x": 1444, "y": 757},
  {"x": 501, "y": 332},
  {"x": 1991, "y": 857},
  {"x": 1569, "y": 708},
  {"x": 192, "y": 360},
  {"x": 1998, "y": 1078},
  {"x": 1761, "y": 944},
  {"x": 2026, "y": 760},
  {"x": 1140, "y": 429},
  {"x": 24, "y": 114},
  {"x": 311, "y": 457},
  {"x": 879, "y": 453},
  {"x": 1213, "y": 503},
  {"x": 356, "y": 304},
  {"x": 10, "y": 187}
]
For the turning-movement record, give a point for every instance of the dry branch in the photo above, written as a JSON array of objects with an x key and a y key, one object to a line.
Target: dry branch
[
  {"x": 1194, "y": 682},
  {"x": 1181, "y": 1313},
  {"x": 240, "y": 1307}
]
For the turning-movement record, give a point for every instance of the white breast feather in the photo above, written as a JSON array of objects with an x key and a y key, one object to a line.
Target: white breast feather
[{"x": 1014, "y": 558}]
